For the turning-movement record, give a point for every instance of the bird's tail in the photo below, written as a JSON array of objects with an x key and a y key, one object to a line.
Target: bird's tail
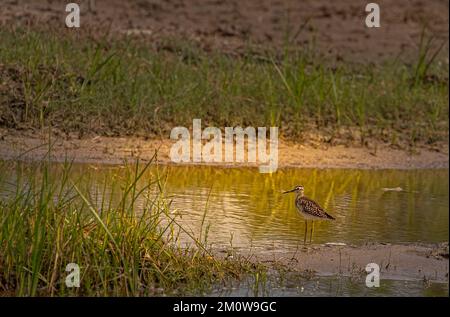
[{"x": 330, "y": 216}]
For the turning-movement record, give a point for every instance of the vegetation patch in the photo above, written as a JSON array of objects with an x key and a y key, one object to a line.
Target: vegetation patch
[
  {"x": 123, "y": 86},
  {"x": 49, "y": 220}
]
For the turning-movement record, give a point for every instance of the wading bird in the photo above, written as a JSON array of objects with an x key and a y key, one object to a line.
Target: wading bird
[{"x": 309, "y": 209}]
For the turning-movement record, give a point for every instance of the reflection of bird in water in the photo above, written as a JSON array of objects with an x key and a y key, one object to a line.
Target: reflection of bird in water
[{"x": 309, "y": 209}]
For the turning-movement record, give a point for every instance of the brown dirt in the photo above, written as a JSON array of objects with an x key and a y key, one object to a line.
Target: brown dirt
[
  {"x": 428, "y": 262},
  {"x": 115, "y": 150},
  {"x": 334, "y": 28}
]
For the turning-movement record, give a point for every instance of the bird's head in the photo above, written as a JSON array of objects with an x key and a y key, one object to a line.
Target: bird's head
[{"x": 297, "y": 189}]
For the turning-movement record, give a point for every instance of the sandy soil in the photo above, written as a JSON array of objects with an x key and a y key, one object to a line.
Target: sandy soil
[
  {"x": 334, "y": 28},
  {"x": 115, "y": 150},
  {"x": 428, "y": 262}
]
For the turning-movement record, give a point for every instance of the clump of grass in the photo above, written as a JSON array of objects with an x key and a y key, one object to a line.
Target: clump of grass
[
  {"x": 49, "y": 220},
  {"x": 122, "y": 86},
  {"x": 426, "y": 57}
]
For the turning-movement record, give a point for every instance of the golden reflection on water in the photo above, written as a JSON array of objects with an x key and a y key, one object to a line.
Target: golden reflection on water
[
  {"x": 249, "y": 206},
  {"x": 246, "y": 208}
]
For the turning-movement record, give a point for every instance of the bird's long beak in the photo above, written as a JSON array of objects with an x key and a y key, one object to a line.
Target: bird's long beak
[{"x": 289, "y": 191}]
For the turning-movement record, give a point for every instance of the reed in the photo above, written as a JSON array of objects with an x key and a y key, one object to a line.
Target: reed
[
  {"x": 122, "y": 86},
  {"x": 48, "y": 220}
]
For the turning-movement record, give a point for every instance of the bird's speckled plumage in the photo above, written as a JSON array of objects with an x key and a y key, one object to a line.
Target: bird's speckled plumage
[{"x": 310, "y": 209}]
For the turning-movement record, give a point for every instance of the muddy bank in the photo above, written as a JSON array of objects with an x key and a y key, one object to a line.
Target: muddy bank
[
  {"x": 427, "y": 262},
  {"x": 116, "y": 150},
  {"x": 335, "y": 29}
]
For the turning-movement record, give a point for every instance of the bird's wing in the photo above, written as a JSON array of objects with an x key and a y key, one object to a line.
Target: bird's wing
[{"x": 313, "y": 208}]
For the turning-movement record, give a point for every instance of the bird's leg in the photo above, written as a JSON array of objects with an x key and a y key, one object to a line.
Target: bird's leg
[
  {"x": 312, "y": 230},
  {"x": 306, "y": 231}
]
